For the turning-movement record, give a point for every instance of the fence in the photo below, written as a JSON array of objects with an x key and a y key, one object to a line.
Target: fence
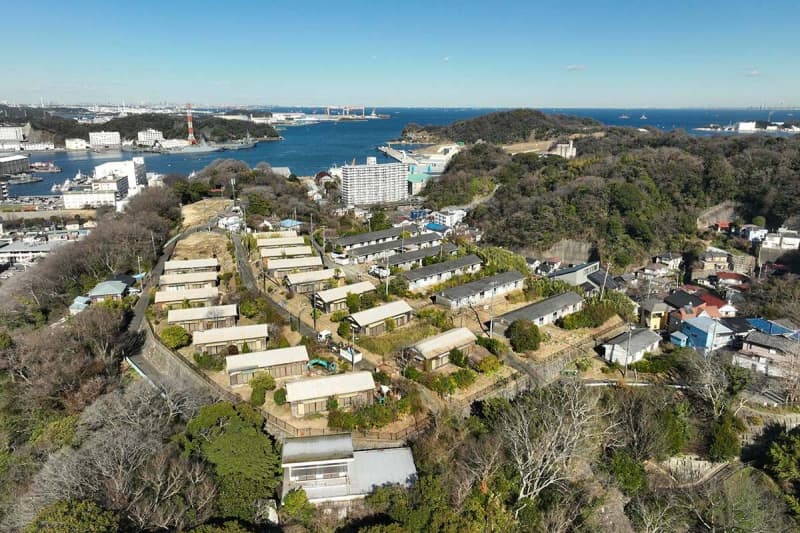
[{"x": 290, "y": 430}]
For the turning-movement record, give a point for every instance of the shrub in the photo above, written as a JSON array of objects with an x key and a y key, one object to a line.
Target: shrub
[
  {"x": 489, "y": 364},
  {"x": 341, "y": 420},
  {"x": 390, "y": 324},
  {"x": 353, "y": 302},
  {"x": 232, "y": 350},
  {"x": 279, "y": 396},
  {"x": 344, "y": 330},
  {"x": 495, "y": 346},
  {"x": 338, "y": 316},
  {"x": 209, "y": 362},
  {"x": 724, "y": 439},
  {"x": 332, "y": 404},
  {"x": 246, "y": 348},
  {"x": 258, "y": 396},
  {"x": 463, "y": 378},
  {"x": 175, "y": 337},
  {"x": 297, "y": 508},
  {"x": 263, "y": 380},
  {"x": 436, "y": 317},
  {"x": 458, "y": 358},
  {"x": 627, "y": 471},
  {"x": 412, "y": 373},
  {"x": 524, "y": 335},
  {"x": 583, "y": 364},
  {"x": 382, "y": 378}
]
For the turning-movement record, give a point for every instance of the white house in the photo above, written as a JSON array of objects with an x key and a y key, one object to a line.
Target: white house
[{"x": 628, "y": 348}]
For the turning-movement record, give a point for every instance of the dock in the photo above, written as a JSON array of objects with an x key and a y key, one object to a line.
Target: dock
[{"x": 399, "y": 155}]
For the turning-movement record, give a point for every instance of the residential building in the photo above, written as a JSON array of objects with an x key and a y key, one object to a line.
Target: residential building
[
  {"x": 714, "y": 259},
  {"x": 308, "y": 282},
  {"x": 480, "y": 291},
  {"x": 373, "y": 321},
  {"x": 406, "y": 260},
  {"x": 602, "y": 280},
  {"x": 654, "y": 314},
  {"x": 289, "y": 251},
  {"x": 332, "y": 300},
  {"x": 88, "y": 199},
  {"x": 149, "y": 137},
  {"x": 541, "y": 313},
  {"x": 118, "y": 184},
  {"x": 426, "y": 276},
  {"x": 14, "y": 164},
  {"x": 416, "y": 182},
  {"x": 772, "y": 355},
  {"x": 373, "y": 183},
  {"x": 12, "y": 133},
  {"x": 349, "y": 242},
  {"x": 133, "y": 170},
  {"x": 193, "y": 297},
  {"x": 630, "y": 347},
  {"x": 374, "y": 252},
  {"x": 309, "y": 396},
  {"x": 329, "y": 471},
  {"x": 703, "y": 333},
  {"x": 279, "y": 363},
  {"x": 753, "y": 233},
  {"x": 783, "y": 239},
  {"x": 220, "y": 340},
  {"x": 190, "y": 280},
  {"x": 104, "y": 140},
  {"x": 575, "y": 275},
  {"x": 449, "y": 217},
  {"x": 108, "y": 290},
  {"x": 280, "y": 242},
  {"x": 278, "y": 268},
  {"x": 27, "y": 252},
  {"x": 203, "y": 318},
  {"x": 275, "y": 234},
  {"x": 191, "y": 265},
  {"x": 79, "y": 304},
  {"x": 76, "y": 144},
  {"x": 681, "y": 298},
  {"x": 671, "y": 260},
  {"x": 434, "y": 352}
]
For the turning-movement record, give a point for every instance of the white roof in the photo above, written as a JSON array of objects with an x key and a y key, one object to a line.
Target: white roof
[
  {"x": 276, "y": 234},
  {"x": 380, "y": 313},
  {"x": 340, "y": 293},
  {"x": 189, "y": 277},
  {"x": 235, "y": 333},
  {"x": 317, "y": 449},
  {"x": 287, "y": 251},
  {"x": 374, "y": 468},
  {"x": 294, "y": 262},
  {"x": 201, "y": 313},
  {"x": 325, "y": 387},
  {"x": 307, "y": 277},
  {"x": 10, "y": 158},
  {"x": 444, "y": 342},
  {"x": 186, "y": 294},
  {"x": 280, "y": 242},
  {"x": 267, "y": 358},
  {"x": 191, "y": 263}
]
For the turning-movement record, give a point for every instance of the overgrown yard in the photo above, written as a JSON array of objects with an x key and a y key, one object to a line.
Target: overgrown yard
[
  {"x": 205, "y": 244},
  {"x": 397, "y": 339},
  {"x": 198, "y": 213}
]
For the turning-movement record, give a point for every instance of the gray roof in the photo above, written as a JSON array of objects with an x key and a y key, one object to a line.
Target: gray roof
[
  {"x": 570, "y": 270},
  {"x": 600, "y": 278},
  {"x": 374, "y": 468},
  {"x": 545, "y": 307},
  {"x": 371, "y": 236},
  {"x": 640, "y": 339},
  {"x": 776, "y": 342},
  {"x": 391, "y": 245},
  {"x": 478, "y": 286},
  {"x": 321, "y": 448},
  {"x": 440, "y": 268},
  {"x": 654, "y": 305},
  {"x": 416, "y": 255},
  {"x": 109, "y": 288}
]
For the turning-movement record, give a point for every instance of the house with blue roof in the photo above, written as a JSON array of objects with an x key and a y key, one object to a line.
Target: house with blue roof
[
  {"x": 703, "y": 334},
  {"x": 108, "y": 290},
  {"x": 290, "y": 223},
  {"x": 79, "y": 304},
  {"x": 770, "y": 327}
]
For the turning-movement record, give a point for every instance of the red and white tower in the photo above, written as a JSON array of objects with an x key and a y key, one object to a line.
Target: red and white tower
[{"x": 191, "y": 138}]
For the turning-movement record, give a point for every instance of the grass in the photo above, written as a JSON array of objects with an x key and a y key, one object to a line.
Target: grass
[{"x": 399, "y": 338}]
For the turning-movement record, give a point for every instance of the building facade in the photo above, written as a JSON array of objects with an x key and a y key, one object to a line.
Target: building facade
[
  {"x": 309, "y": 396},
  {"x": 220, "y": 340},
  {"x": 134, "y": 170},
  {"x": 279, "y": 363},
  {"x": 374, "y": 321},
  {"x": 92, "y": 199},
  {"x": 149, "y": 137},
  {"x": 373, "y": 183},
  {"x": 14, "y": 164},
  {"x": 104, "y": 140},
  {"x": 203, "y": 318}
]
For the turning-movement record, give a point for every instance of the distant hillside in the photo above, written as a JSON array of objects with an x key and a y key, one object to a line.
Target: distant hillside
[{"x": 503, "y": 127}]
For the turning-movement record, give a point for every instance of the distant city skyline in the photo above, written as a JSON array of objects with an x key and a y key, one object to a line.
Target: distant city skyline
[{"x": 714, "y": 54}]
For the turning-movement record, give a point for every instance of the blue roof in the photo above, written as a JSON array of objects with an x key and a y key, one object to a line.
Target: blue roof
[
  {"x": 290, "y": 223},
  {"x": 108, "y": 288},
  {"x": 706, "y": 324},
  {"x": 767, "y": 326},
  {"x": 433, "y": 226}
]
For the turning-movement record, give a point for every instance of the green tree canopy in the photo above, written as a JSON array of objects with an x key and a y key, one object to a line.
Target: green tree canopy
[
  {"x": 175, "y": 337},
  {"x": 524, "y": 335},
  {"x": 74, "y": 516}
]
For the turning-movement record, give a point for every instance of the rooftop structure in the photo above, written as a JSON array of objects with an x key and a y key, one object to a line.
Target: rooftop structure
[
  {"x": 543, "y": 312},
  {"x": 478, "y": 291}
]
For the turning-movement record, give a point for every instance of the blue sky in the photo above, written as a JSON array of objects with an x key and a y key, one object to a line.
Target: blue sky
[{"x": 410, "y": 53}]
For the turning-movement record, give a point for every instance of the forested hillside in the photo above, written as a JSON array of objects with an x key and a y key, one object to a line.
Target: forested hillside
[
  {"x": 632, "y": 193},
  {"x": 505, "y": 127}
]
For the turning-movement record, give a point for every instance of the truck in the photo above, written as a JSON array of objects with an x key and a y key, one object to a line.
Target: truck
[{"x": 324, "y": 336}]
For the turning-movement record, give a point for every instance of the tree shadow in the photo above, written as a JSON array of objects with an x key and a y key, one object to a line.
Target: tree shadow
[{"x": 756, "y": 452}]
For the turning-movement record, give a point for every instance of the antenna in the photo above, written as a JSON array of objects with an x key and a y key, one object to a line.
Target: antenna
[{"x": 191, "y": 137}]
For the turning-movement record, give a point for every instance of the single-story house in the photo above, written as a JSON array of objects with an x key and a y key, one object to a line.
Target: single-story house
[
  {"x": 575, "y": 275},
  {"x": 630, "y": 347},
  {"x": 80, "y": 303},
  {"x": 772, "y": 355},
  {"x": 279, "y": 363},
  {"x": 195, "y": 298},
  {"x": 305, "y": 282},
  {"x": 479, "y": 291},
  {"x": 331, "y": 300},
  {"x": 349, "y": 242},
  {"x": 373, "y": 321},
  {"x": 654, "y": 314},
  {"x": 351, "y": 389},
  {"x": 203, "y": 318},
  {"x": 217, "y": 340},
  {"x": 108, "y": 290},
  {"x": 542, "y": 312},
  {"x": 434, "y": 352},
  {"x": 275, "y": 234},
  {"x": 191, "y": 265},
  {"x": 278, "y": 268},
  {"x": 190, "y": 280},
  {"x": 420, "y": 278},
  {"x": 289, "y": 251},
  {"x": 406, "y": 260},
  {"x": 373, "y": 252},
  {"x": 280, "y": 242},
  {"x": 328, "y": 469},
  {"x": 671, "y": 260}
]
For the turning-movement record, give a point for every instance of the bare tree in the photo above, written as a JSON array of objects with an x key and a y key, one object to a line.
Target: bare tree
[{"x": 709, "y": 380}]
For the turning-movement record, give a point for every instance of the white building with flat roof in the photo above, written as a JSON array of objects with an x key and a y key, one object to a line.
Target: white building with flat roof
[
  {"x": 91, "y": 199},
  {"x": 149, "y": 137},
  {"x": 11, "y": 133},
  {"x": 76, "y": 144},
  {"x": 14, "y": 164},
  {"x": 100, "y": 140},
  {"x": 134, "y": 170},
  {"x": 373, "y": 183}
]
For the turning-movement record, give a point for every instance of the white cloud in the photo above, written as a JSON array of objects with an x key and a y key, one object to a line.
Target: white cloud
[
  {"x": 752, "y": 72},
  {"x": 575, "y": 68}
]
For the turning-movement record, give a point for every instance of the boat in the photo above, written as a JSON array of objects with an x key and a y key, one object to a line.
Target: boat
[
  {"x": 202, "y": 148},
  {"x": 22, "y": 179},
  {"x": 55, "y": 188},
  {"x": 643, "y": 117},
  {"x": 48, "y": 166},
  {"x": 624, "y": 116},
  {"x": 240, "y": 144}
]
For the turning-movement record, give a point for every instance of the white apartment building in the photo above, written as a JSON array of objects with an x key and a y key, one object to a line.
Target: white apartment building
[
  {"x": 11, "y": 133},
  {"x": 133, "y": 170},
  {"x": 116, "y": 183},
  {"x": 566, "y": 150},
  {"x": 373, "y": 183},
  {"x": 449, "y": 217},
  {"x": 81, "y": 199},
  {"x": 76, "y": 144},
  {"x": 104, "y": 139},
  {"x": 149, "y": 137}
]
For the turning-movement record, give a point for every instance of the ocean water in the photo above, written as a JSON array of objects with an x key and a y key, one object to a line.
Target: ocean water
[{"x": 307, "y": 150}]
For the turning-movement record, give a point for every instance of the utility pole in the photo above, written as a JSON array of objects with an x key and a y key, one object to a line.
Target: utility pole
[
  {"x": 627, "y": 351},
  {"x": 153, "y": 241},
  {"x": 491, "y": 312},
  {"x": 605, "y": 280}
]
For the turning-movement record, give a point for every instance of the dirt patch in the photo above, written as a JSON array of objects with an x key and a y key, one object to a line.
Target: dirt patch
[
  {"x": 203, "y": 245},
  {"x": 198, "y": 213},
  {"x": 521, "y": 148}
]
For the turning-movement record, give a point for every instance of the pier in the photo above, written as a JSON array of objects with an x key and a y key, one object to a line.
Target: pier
[{"x": 399, "y": 155}]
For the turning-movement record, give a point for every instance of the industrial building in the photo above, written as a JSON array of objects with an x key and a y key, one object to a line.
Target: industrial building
[
  {"x": 373, "y": 183},
  {"x": 14, "y": 164}
]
